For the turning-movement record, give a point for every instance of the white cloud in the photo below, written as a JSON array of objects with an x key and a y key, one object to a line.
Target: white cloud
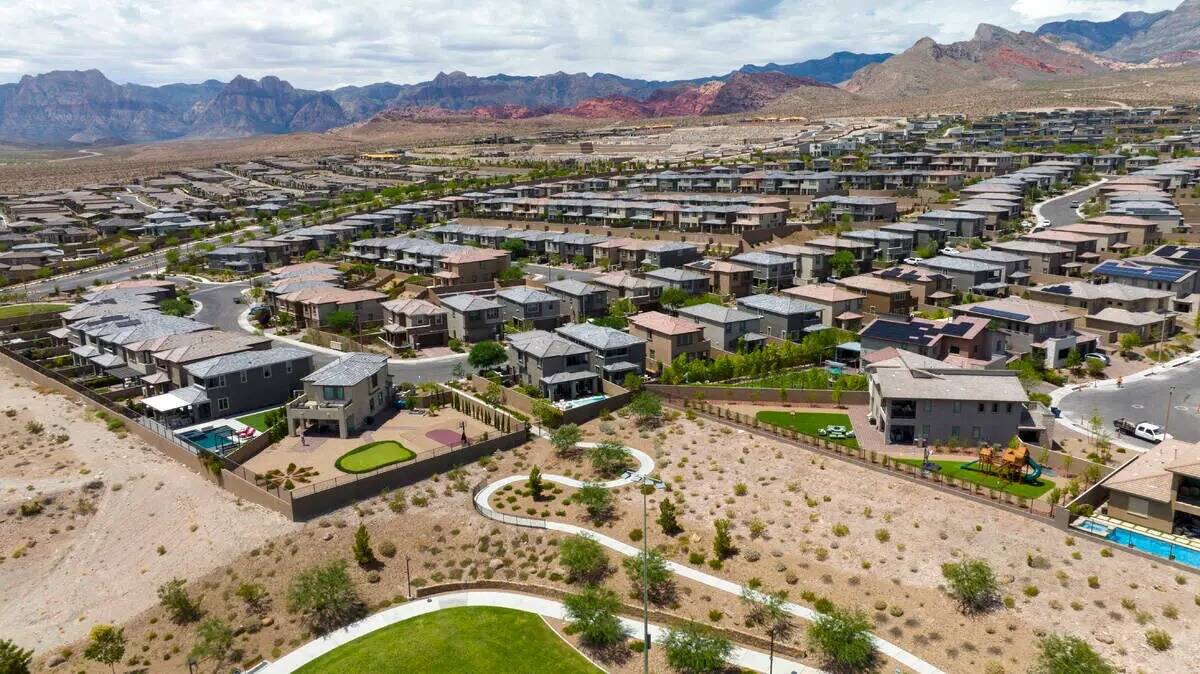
[{"x": 326, "y": 43}]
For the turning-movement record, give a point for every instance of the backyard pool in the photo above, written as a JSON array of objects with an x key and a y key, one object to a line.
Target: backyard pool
[
  {"x": 219, "y": 439},
  {"x": 1139, "y": 541},
  {"x": 579, "y": 402}
]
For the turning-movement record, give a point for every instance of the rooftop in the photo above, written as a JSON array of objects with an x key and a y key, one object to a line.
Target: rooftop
[
  {"x": 245, "y": 360},
  {"x": 655, "y": 321},
  {"x": 1020, "y": 310},
  {"x": 348, "y": 370},
  {"x": 598, "y": 336},
  {"x": 717, "y": 313}
]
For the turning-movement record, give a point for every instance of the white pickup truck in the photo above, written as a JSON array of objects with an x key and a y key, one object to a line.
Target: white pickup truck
[{"x": 1145, "y": 430}]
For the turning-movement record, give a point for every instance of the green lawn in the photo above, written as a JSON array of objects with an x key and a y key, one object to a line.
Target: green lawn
[
  {"x": 955, "y": 470},
  {"x": 257, "y": 421},
  {"x": 809, "y": 422},
  {"x": 464, "y": 639},
  {"x": 12, "y": 310},
  {"x": 373, "y": 455}
]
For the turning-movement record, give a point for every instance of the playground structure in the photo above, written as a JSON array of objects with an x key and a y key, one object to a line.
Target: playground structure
[{"x": 1010, "y": 463}]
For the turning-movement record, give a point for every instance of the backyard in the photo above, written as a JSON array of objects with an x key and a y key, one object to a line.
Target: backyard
[
  {"x": 465, "y": 639},
  {"x": 374, "y": 455},
  {"x": 955, "y": 470},
  {"x": 811, "y": 378},
  {"x": 258, "y": 420},
  {"x": 809, "y": 423},
  {"x": 15, "y": 310}
]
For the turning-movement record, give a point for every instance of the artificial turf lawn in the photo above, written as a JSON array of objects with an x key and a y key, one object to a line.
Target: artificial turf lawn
[
  {"x": 463, "y": 639},
  {"x": 810, "y": 423},
  {"x": 955, "y": 470},
  {"x": 14, "y": 310},
  {"x": 257, "y": 421},
  {"x": 373, "y": 455}
]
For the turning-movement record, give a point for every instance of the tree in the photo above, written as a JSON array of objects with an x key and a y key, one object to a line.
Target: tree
[
  {"x": 106, "y": 645},
  {"x": 312, "y": 256},
  {"x": 214, "y": 641},
  {"x": 513, "y": 272},
  {"x": 647, "y": 407},
  {"x": 843, "y": 264},
  {"x": 632, "y": 382},
  {"x": 583, "y": 558},
  {"x": 668, "y": 517},
  {"x": 597, "y": 500},
  {"x": 326, "y": 596},
  {"x": 363, "y": 554},
  {"x": 1068, "y": 655},
  {"x": 696, "y": 649},
  {"x": 844, "y": 638},
  {"x": 593, "y": 615},
  {"x": 178, "y": 603},
  {"x": 609, "y": 458},
  {"x": 487, "y": 354},
  {"x": 13, "y": 658},
  {"x": 579, "y": 261},
  {"x": 1129, "y": 341},
  {"x": 660, "y": 585},
  {"x": 722, "y": 542},
  {"x": 565, "y": 438},
  {"x": 545, "y": 412},
  {"x": 673, "y": 297},
  {"x": 536, "y": 485},
  {"x": 768, "y": 611},
  {"x": 341, "y": 320},
  {"x": 1074, "y": 360},
  {"x": 1095, "y": 367},
  {"x": 972, "y": 583},
  {"x": 515, "y": 247},
  {"x": 254, "y": 595}
]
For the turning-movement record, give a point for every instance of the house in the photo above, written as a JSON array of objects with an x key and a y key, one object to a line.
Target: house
[
  {"x": 472, "y": 267},
  {"x": 726, "y": 328},
  {"x": 859, "y": 209},
  {"x": 1093, "y": 297},
  {"x": 524, "y": 305},
  {"x": 165, "y": 359},
  {"x": 1082, "y": 246},
  {"x": 773, "y": 271},
  {"x": 670, "y": 254},
  {"x": 668, "y": 338},
  {"x": 1147, "y": 325},
  {"x": 914, "y": 397},
  {"x": 840, "y": 308},
  {"x": 614, "y": 354},
  {"x": 862, "y": 251},
  {"x": 687, "y": 280},
  {"x": 579, "y": 300},
  {"x": 1046, "y": 331},
  {"x": 1044, "y": 258},
  {"x": 560, "y": 368},
  {"x": 238, "y": 259},
  {"x": 345, "y": 395},
  {"x": 473, "y": 318},
  {"x": 967, "y": 275},
  {"x": 922, "y": 234},
  {"x": 1142, "y": 232},
  {"x": 1108, "y": 238},
  {"x": 232, "y": 384},
  {"x": 889, "y": 246},
  {"x": 726, "y": 278},
  {"x": 812, "y": 264},
  {"x": 1174, "y": 278},
  {"x": 956, "y": 223},
  {"x": 314, "y": 307},
  {"x": 883, "y": 296},
  {"x": 415, "y": 324},
  {"x": 925, "y": 285},
  {"x": 783, "y": 316},
  {"x": 1160, "y": 490},
  {"x": 643, "y": 292},
  {"x": 1016, "y": 266},
  {"x": 961, "y": 336}
]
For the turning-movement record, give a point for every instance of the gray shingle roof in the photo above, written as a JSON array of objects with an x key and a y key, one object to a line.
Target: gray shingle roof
[
  {"x": 348, "y": 370},
  {"x": 468, "y": 302},
  {"x": 245, "y": 360},
  {"x": 715, "y": 313},
  {"x": 598, "y": 336},
  {"x": 777, "y": 304}
]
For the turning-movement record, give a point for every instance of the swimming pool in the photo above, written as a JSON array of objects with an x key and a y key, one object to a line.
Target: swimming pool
[
  {"x": 1139, "y": 541},
  {"x": 580, "y": 402},
  {"x": 217, "y": 439}
]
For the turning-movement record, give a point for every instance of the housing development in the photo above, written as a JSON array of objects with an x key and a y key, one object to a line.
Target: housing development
[{"x": 854, "y": 393}]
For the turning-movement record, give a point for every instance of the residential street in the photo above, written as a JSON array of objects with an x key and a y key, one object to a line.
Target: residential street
[
  {"x": 1059, "y": 211},
  {"x": 1144, "y": 400}
]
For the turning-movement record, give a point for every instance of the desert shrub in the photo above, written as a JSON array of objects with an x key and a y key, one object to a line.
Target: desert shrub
[{"x": 972, "y": 583}]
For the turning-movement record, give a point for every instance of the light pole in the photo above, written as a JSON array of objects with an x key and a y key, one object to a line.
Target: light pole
[
  {"x": 648, "y": 484},
  {"x": 1167, "y": 419},
  {"x": 408, "y": 575}
]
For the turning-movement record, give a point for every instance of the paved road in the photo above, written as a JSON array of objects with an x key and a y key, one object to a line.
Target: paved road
[
  {"x": 1059, "y": 211},
  {"x": 553, "y": 273},
  {"x": 1145, "y": 400}
]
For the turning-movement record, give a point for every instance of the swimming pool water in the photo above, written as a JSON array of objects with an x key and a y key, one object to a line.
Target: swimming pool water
[
  {"x": 1147, "y": 544},
  {"x": 212, "y": 439}
]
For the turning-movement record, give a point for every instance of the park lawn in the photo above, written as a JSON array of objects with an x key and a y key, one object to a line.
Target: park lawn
[
  {"x": 809, "y": 423},
  {"x": 373, "y": 455},
  {"x": 462, "y": 639},
  {"x": 257, "y": 421},
  {"x": 14, "y": 310},
  {"x": 955, "y": 470}
]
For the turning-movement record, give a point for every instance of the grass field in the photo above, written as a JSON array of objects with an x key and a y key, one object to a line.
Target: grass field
[
  {"x": 257, "y": 421},
  {"x": 954, "y": 469},
  {"x": 373, "y": 455},
  {"x": 13, "y": 310},
  {"x": 809, "y": 422},
  {"x": 812, "y": 378},
  {"x": 464, "y": 639}
]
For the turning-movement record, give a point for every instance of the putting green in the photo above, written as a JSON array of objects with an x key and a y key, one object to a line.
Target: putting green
[{"x": 373, "y": 455}]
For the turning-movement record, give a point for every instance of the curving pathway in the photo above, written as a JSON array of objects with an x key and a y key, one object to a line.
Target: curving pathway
[
  {"x": 646, "y": 465},
  {"x": 549, "y": 608}
]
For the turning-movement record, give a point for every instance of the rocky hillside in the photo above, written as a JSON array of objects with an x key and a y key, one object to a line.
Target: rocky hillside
[
  {"x": 1175, "y": 37},
  {"x": 835, "y": 68},
  {"x": 1097, "y": 36},
  {"x": 994, "y": 57},
  {"x": 742, "y": 92},
  {"x": 246, "y": 107}
]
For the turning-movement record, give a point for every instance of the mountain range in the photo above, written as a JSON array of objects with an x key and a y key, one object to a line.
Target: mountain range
[{"x": 86, "y": 108}]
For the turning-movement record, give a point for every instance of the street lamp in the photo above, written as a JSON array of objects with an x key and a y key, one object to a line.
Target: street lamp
[
  {"x": 408, "y": 575},
  {"x": 648, "y": 484},
  {"x": 1167, "y": 419}
]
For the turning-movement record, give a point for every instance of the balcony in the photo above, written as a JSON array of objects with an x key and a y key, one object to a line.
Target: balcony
[{"x": 902, "y": 409}]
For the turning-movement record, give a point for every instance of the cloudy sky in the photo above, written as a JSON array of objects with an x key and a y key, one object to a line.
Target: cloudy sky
[{"x": 328, "y": 43}]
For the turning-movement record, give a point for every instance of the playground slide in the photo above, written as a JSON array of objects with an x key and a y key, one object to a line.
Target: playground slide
[{"x": 1032, "y": 478}]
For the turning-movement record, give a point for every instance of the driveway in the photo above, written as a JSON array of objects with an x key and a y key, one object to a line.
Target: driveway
[{"x": 1145, "y": 399}]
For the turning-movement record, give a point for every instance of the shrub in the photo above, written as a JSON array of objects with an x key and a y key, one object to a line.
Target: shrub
[
  {"x": 593, "y": 616},
  {"x": 363, "y": 554},
  {"x": 840, "y": 530},
  {"x": 843, "y": 637},
  {"x": 1093, "y": 582},
  {"x": 1068, "y": 655},
  {"x": 583, "y": 558},
  {"x": 972, "y": 583},
  {"x": 740, "y": 489},
  {"x": 387, "y": 549},
  {"x": 636, "y": 535},
  {"x": 326, "y": 596},
  {"x": 722, "y": 541},
  {"x": 882, "y": 535},
  {"x": 1031, "y": 591},
  {"x": 1157, "y": 639},
  {"x": 660, "y": 587},
  {"x": 179, "y": 605},
  {"x": 693, "y": 649}
]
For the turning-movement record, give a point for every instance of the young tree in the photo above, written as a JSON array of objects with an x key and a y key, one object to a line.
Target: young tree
[
  {"x": 214, "y": 641},
  {"x": 487, "y": 354},
  {"x": 546, "y": 413},
  {"x": 342, "y": 320},
  {"x": 106, "y": 645},
  {"x": 1068, "y": 655},
  {"x": 583, "y": 558},
  {"x": 647, "y": 407},
  {"x": 565, "y": 439},
  {"x": 178, "y": 603},
  {"x": 1129, "y": 341},
  {"x": 363, "y": 554},
  {"x": 660, "y": 585},
  {"x": 494, "y": 394},
  {"x": 843, "y": 264},
  {"x": 768, "y": 611},
  {"x": 722, "y": 541},
  {"x": 536, "y": 485},
  {"x": 1074, "y": 360},
  {"x": 1095, "y": 367},
  {"x": 696, "y": 649},
  {"x": 254, "y": 595},
  {"x": 673, "y": 297},
  {"x": 632, "y": 382},
  {"x": 326, "y": 596},
  {"x": 972, "y": 583},
  {"x": 593, "y": 614},
  {"x": 609, "y": 457},
  {"x": 13, "y": 658},
  {"x": 668, "y": 517},
  {"x": 844, "y": 638},
  {"x": 597, "y": 500}
]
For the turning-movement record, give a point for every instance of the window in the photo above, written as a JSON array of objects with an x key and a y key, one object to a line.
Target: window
[
  {"x": 222, "y": 404},
  {"x": 957, "y": 407},
  {"x": 333, "y": 393},
  {"x": 1008, "y": 408},
  {"x": 954, "y": 431},
  {"x": 242, "y": 376},
  {"x": 287, "y": 367},
  {"x": 375, "y": 380},
  {"x": 981, "y": 406},
  {"x": 995, "y": 407},
  {"x": 1138, "y": 506},
  {"x": 266, "y": 372},
  {"x": 976, "y": 432}
]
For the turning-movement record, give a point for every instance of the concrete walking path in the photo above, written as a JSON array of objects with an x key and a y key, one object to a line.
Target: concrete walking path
[{"x": 549, "y": 608}]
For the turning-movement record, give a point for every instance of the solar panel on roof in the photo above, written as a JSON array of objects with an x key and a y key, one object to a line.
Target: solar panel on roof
[
  {"x": 1010, "y": 315},
  {"x": 1058, "y": 290}
]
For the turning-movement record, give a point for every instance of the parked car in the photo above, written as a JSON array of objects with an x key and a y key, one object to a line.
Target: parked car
[
  {"x": 1074, "y": 204},
  {"x": 912, "y": 260},
  {"x": 1098, "y": 356},
  {"x": 1145, "y": 430},
  {"x": 949, "y": 250}
]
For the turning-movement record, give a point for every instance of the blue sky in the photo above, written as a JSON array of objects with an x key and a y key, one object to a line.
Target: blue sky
[{"x": 328, "y": 43}]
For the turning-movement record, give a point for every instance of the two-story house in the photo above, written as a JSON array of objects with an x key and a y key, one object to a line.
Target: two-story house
[
  {"x": 667, "y": 338},
  {"x": 560, "y": 368},
  {"x": 726, "y": 328},
  {"x": 523, "y": 305},
  {"x": 725, "y": 278},
  {"x": 783, "y": 316},
  {"x": 415, "y": 324},
  {"x": 579, "y": 300},
  {"x": 689, "y": 281},
  {"x": 614, "y": 354},
  {"x": 473, "y": 318},
  {"x": 344, "y": 396}
]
